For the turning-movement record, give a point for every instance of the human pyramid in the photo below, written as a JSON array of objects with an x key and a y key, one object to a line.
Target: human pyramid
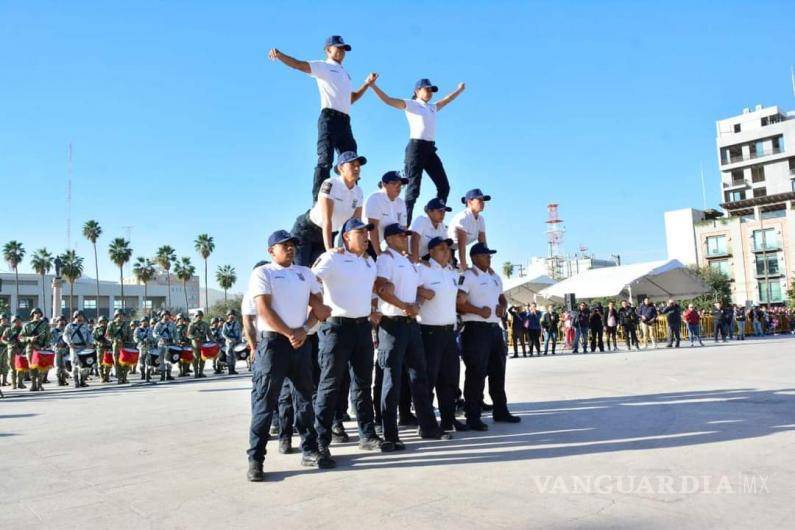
[{"x": 320, "y": 311}]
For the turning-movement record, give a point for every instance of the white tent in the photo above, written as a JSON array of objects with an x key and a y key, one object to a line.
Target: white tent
[
  {"x": 524, "y": 290},
  {"x": 659, "y": 280}
]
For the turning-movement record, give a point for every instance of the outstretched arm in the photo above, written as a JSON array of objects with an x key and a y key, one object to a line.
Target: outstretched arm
[
  {"x": 274, "y": 54},
  {"x": 392, "y": 102},
  {"x": 362, "y": 89},
  {"x": 450, "y": 97}
]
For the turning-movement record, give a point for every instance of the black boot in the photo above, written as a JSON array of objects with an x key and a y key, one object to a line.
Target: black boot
[{"x": 255, "y": 473}]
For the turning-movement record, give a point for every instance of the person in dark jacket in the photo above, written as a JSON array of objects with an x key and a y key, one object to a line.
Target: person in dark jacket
[
  {"x": 597, "y": 329},
  {"x": 549, "y": 322},
  {"x": 611, "y": 326},
  {"x": 517, "y": 331},
  {"x": 532, "y": 324},
  {"x": 718, "y": 323},
  {"x": 628, "y": 319},
  {"x": 647, "y": 314},
  {"x": 673, "y": 314},
  {"x": 581, "y": 322},
  {"x": 740, "y": 317}
]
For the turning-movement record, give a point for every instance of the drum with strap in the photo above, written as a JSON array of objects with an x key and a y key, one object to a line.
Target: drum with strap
[
  {"x": 173, "y": 354},
  {"x": 186, "y": 354},
  {"x": 154, "y": 357},
  {"x": 87, "y": 358},
  {"x": 128, "y": 357},
  {"x": 209, "y": 350},
  {"x": 42, "y": 359},
  {"x": 107, "y": 358},
  {"x": 21, "y": 363},
  {"x": 242, "y": 351}
]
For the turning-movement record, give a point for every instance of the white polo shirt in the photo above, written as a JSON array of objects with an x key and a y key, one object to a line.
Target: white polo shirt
[
  {"x": 378, "y": 206},
  {"x": 347, "y": 283},
  {"x": 289, "y": 288},
  {"x": 422, "y": 119},
  {"x": 483, "y": 289},
  {"x": 247, "y": 307},
  {"x": 423, "y": 227},
  {"x": 345, "y": 201},
  {"x": 465, "y": 220},
  {"x": 333, "y": 83},
  {"x": 443, "y": 281},
  {"x": 400, "y": 271}
]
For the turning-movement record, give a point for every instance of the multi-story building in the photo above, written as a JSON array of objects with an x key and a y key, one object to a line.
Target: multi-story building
[
  {"x": 560, "y": 268},
  {"x": 751, "y": 240}
]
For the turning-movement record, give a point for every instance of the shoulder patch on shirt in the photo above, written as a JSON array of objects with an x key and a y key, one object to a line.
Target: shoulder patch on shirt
[
  {"x": 326, "y": 187},
  {"x": 461, "y": 280}
]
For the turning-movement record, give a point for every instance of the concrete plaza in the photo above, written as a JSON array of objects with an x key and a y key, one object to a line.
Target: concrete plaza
[{"x": 686, "y": 438}]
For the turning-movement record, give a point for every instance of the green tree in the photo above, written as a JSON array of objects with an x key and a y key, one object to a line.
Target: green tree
[
  {"x": 719, "y": 285},
  {"x": 791, "y": 293},
  {"x": 41, "y": 261},
  {"x": 205, "y": 246},
  {"x": 13, "y": 253},
  {"x": 72, "y": 270},
  {"x": 507, "y": 269},
  {"x": 164, "y": 257},
  {"x": 220, "y": 308},
  {"x": 226, "y": 277},
  {"x": 184, "y": 271},
  {"x": 144, "y": 271},
  {"x": 120, "y": 253},
  {"x": 92, "y": 231}
]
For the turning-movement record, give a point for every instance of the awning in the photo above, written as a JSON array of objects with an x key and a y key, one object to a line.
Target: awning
[{"x": 659, "y": 280}]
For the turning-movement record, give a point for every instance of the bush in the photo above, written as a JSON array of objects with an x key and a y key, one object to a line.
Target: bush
[{"x": 219, "y": 309}]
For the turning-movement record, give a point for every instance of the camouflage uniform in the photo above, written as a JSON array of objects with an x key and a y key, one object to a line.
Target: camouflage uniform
[
  {"x": 144, "y": 342},
  {"x": 231, "y": 332},
  {"x": 36, "y": 336},
  {"x": 13, "y": 348},
  {"x": 78, "y": 336},
  {"x": 198, "y": 333},
  {"x": 119, "y": 335},
  {"x": 163, "y": 333},
  {"x": 3, "y": 352},
  {"x": 61, "y": 350},
  {"x": 102, "y": 344},
  {"x": 181, "y": 339}
]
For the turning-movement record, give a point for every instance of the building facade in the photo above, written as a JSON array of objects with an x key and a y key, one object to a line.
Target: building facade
[
  {"x": 560, "y": 268},
  {"x": 751, "y": 239}
]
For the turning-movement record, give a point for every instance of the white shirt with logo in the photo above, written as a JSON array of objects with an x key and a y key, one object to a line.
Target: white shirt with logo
[
  {"x": 344, "y": 199},
  {"x": 347, "y": 282},
  {"x": 386, "y": 211},
  {"x": 465, "y": 220},
  {"x": 483, "y": 289},
  {"x": 422, "y": 119},
  {"x": 401, "y": 272},
  {"x": 289, "y": 288},
  {"x": 333, "y": 83},
  {"x": 443, "y": 281},
  {"x": 422, "y": 226}
]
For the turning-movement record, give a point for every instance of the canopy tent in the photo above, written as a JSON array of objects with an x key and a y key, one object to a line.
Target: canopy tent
[
  {"x": 659, "y": 280},
  {"x": 524, "y": 290}
]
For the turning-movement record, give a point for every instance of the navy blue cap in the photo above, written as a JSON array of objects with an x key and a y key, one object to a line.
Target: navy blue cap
[
  {"x": 281, "y": 236},
  {"x": 348, "y": 156},
  {"x": 424, "y": 82},
  {"x": 354, "y": 223},
  {"x": 395, "y": 229},
  {"x": 437, "y": 204},
  {"x": 394, "y": 176},
  {"x": 480, "y": 248},
  {"x": 436, "y": 241},
  {"x": 475, "y": 194},
  {"x": 336, "y": 40}
]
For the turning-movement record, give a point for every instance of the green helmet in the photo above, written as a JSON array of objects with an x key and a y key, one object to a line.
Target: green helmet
[
  {"x": 118, "y": 313},
  {"x": 36, "y": 310},
  {"x": 103, "y": 318},
  {"x": 200, "y": 313}
]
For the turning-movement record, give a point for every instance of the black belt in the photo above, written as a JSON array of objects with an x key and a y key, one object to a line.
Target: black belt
[
  {"x": 399, "y": 319},
  {"x": 272, "y": 334},
  {"x": 334, "y": 112},
  {"x": 488, "y": 324},
  {"x": 348, "y": 320},
  {"x": 448, "y": 327},
  {"x": 421, "y": 141}
]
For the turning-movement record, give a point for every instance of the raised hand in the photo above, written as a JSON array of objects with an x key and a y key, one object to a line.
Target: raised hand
[
  {"x": 461, "y": 87},
  {"x": 371, "y": 79},
  {"x": 273, "y": 54}
]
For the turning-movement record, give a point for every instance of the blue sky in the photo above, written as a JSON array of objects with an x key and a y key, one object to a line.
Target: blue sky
[{"x": 181, "y": 126}]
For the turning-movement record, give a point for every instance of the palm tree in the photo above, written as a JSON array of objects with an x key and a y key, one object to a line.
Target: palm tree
[
  {"x": 164, "y": 257},
  {"x": 144, "y": 271},
  {"x": 92, "y": 231},
  {"x": 41, "y": 261},
  {"x": 205, "y": 245},
  {"x": 71, "y": 269},
  {"x": 120, "y": 253},
  {"x": 226, "y": 277},
  {"x": 185, "y": 270},
  {"x": 13, "y": 252},
  {"x": 507, "y": 269}
]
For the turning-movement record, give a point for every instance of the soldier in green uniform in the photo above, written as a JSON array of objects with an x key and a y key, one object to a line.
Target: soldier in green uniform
[
  {"x": 3, "y": 352},
  {"x": 181, "y": 339},
  {"x": 133, "y": 327},
  {"x": 13, "y": 348},
  {"x": 102, "y": 344},
  {"x": 215, "y": 332},
  {"x": 118, "y": 333},
  {"x": 61, "y": 351},
  {"x": 198, "y": 333},
  {"x": 36, "y": 336}
]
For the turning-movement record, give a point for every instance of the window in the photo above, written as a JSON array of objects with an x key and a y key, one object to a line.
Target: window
[
  {"x": 721, "y": 265},
  {"x": 716, "y": 246},
  {"x": 765, "y": 239},
  {"x": 734, "y": 196},
  {"x": 758, "y": 174},
  {"x": 774, "y": 214},
  {"x": 765, "y": 121},
  {"x": 769, "y": 260},
  {"x": 737, "y": 127},
  {"x": 89, "y": 303},
  {"x": 778, "y": 144},
  {"x": 738, "y": 177},
  {"x": 770, "y": 291},
  {"x": 760, "y": 192},
  {"x": 735, "y": 153}
]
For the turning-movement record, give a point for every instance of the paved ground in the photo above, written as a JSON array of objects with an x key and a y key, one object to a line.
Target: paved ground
[{"x": 688, "y": 438}]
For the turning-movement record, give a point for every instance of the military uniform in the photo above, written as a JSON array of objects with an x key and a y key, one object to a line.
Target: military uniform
[
  {"x": 3, "y": 352},
  {"x": 102, "y": 344},
  {"x": 163, "y": 333},
  {"x": 143, "y": 341},
  {"x": 118, "y": 333},
  {"x": 181, "y": 339},
  {"x": 198, "y": 332},
  {"x": 36, "y": 336},
  {"x": 61, "y": 354},
  {"x": 78, "y": 337},
  {"x": 215, "y": 334},
  {"x": 231, "y": 333},
  {"x": 13, "y": 348}
]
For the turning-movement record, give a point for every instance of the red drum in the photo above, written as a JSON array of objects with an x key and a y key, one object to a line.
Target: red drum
[
  {"x": 42, "y": 359},
  {"x": 21, "y": 363},
  {"x": 186, "y": 355},
  {"x": 107, "y": 358},
  {"x": 128, "y": 356},
  {"x": 210, "y": 350}
]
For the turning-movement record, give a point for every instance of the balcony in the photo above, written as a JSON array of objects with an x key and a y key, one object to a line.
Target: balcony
[
  {"x": 766, "y": 152},
  {"x": 770, "y": 246},
  {"x": 713, "y": 253},
  {"x": 735, "y": 183}
]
